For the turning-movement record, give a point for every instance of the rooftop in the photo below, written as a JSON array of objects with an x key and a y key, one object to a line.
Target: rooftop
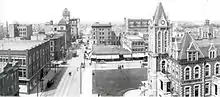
[
  {"x": 109, "y": 50},
  {"x": 2, "y": 65},
  {"x": 97, "y": 24},
  {"x": 19, "y": 44},
  {"x": 134, "y": 37}
]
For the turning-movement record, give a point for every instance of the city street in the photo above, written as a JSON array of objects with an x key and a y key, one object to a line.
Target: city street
[{"x": 70, "y": 85}]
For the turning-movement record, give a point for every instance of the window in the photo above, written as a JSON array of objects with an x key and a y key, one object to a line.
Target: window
[
  {"x": 216, "y": 90},
  {"x": 217, "y": 69},
  {"x": 212, "y": 54},
  {"x": 192, "y": 56},
  {"x": 51, "y": 43},
  {"x": 197, "y": 72},
  {"x": 187, "y": 91},
  {"x": 196, "y": 90},
  {"x": 207, "y": 88},
  {"x": 163, "y": 66},
  {"x": 168, "y": 86},
  {"x": 61, "y": 28},
  {"x": 187, "y": 73},
  {"x": 51, "y": 49},
  {"x": 161, "y": 84},
  {"x": 207, "y": 67},
  {"x": 22, "y": 72}
]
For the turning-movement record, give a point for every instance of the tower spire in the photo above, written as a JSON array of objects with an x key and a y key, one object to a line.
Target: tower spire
[{"x": 159, "y": 13}]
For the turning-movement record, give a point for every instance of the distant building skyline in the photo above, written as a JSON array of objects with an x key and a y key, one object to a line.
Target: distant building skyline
[{"x": 41, "y": 11}]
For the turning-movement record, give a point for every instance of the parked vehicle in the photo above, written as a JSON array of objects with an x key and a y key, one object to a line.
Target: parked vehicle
[{"x": 50, "y": 83}]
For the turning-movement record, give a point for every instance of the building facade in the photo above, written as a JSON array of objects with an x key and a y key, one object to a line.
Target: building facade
[
  {"x": 74, "y": 23},
  {"x": 9, "y": 85},
  {"x": 135, "y": 45},
  {"x": 207, "y": 30},
  {"x": 185, "y": 68},
  {"x": 57, "y": 46},
  {"x": 160, "y": 39},
  {"x": 33, "y": 58},
  {"x": 102, "y": 34},
  {"x": 20, "y": 30},
  {"x": 138, "y": 27}
]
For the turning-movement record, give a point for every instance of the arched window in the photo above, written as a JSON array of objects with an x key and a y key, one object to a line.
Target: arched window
[
  {"x": 165, "y": 44},
  {"x": 207, "y": 67},
  {"x": 197, "y": 72},
  {"x": 163, "y": 67},
  {"x": 187, "y": 73},
  {"x": 217, "y": 67},
  {"x": 159, "y": 41}
]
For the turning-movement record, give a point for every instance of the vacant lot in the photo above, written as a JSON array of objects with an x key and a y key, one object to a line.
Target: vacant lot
[{"x": 117, "y": 82}]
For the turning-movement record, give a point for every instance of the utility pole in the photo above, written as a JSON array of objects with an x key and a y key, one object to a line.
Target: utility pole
[
  {"x": 81, "y": 79},
  {"x": 37, "y": 85}
]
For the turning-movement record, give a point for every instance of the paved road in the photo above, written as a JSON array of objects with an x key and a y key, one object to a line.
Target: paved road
[{"x": 70, "y": 85}]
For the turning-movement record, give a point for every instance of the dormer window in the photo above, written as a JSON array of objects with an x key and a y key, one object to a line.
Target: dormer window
[
  {"x": 192, "y": 56},
  {"x": 212, "y": 54}
]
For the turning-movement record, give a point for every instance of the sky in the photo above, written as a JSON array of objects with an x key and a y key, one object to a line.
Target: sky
[{"x": 90, "y": 11}]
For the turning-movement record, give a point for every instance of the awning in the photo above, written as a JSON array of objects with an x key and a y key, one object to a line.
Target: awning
[
  {"x": 138, "y": 55},
  {"x": 114, "y": 56},
  {"x": 49, "y": 76},
  {"x": 127, "y": 56},
  {"x": 105, "y": 56}
]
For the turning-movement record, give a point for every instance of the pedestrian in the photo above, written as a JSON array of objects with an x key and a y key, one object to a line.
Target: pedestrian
[
  {"x": 122, "y": 66},
  {"x": 70, "y": 73}
]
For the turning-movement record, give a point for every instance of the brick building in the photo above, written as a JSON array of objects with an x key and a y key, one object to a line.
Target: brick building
[
  {"x": 74, "y": 23},
  {"x": 20, "y": 30},
  {"x": 9, "y": 79},
  {"x": 135, "y": 45},
  {"x": 186, "y": 68},
  {"x": 207, "y": 30},
  {"x": 57, "y": 46},
  {"x": 33, "y": 58},
  {"x": 138, "y": 27},
  {"x": 102, "y": 34}
]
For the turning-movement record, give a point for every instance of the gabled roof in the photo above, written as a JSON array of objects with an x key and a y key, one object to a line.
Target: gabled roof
[
  {"x": 212, "y": 47},
  {"x": 192, "y": 47},
  {"x": 159, "y": 13},
  {"x": 188, "y": 43}
]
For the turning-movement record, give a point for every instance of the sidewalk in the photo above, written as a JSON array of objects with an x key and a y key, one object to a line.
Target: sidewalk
[
  {"x": 87, "y": 83},
  {"x": 51, "y": 74}
]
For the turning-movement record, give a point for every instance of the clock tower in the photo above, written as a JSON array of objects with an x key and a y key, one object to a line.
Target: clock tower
[{"x": 159, "y": 43}]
